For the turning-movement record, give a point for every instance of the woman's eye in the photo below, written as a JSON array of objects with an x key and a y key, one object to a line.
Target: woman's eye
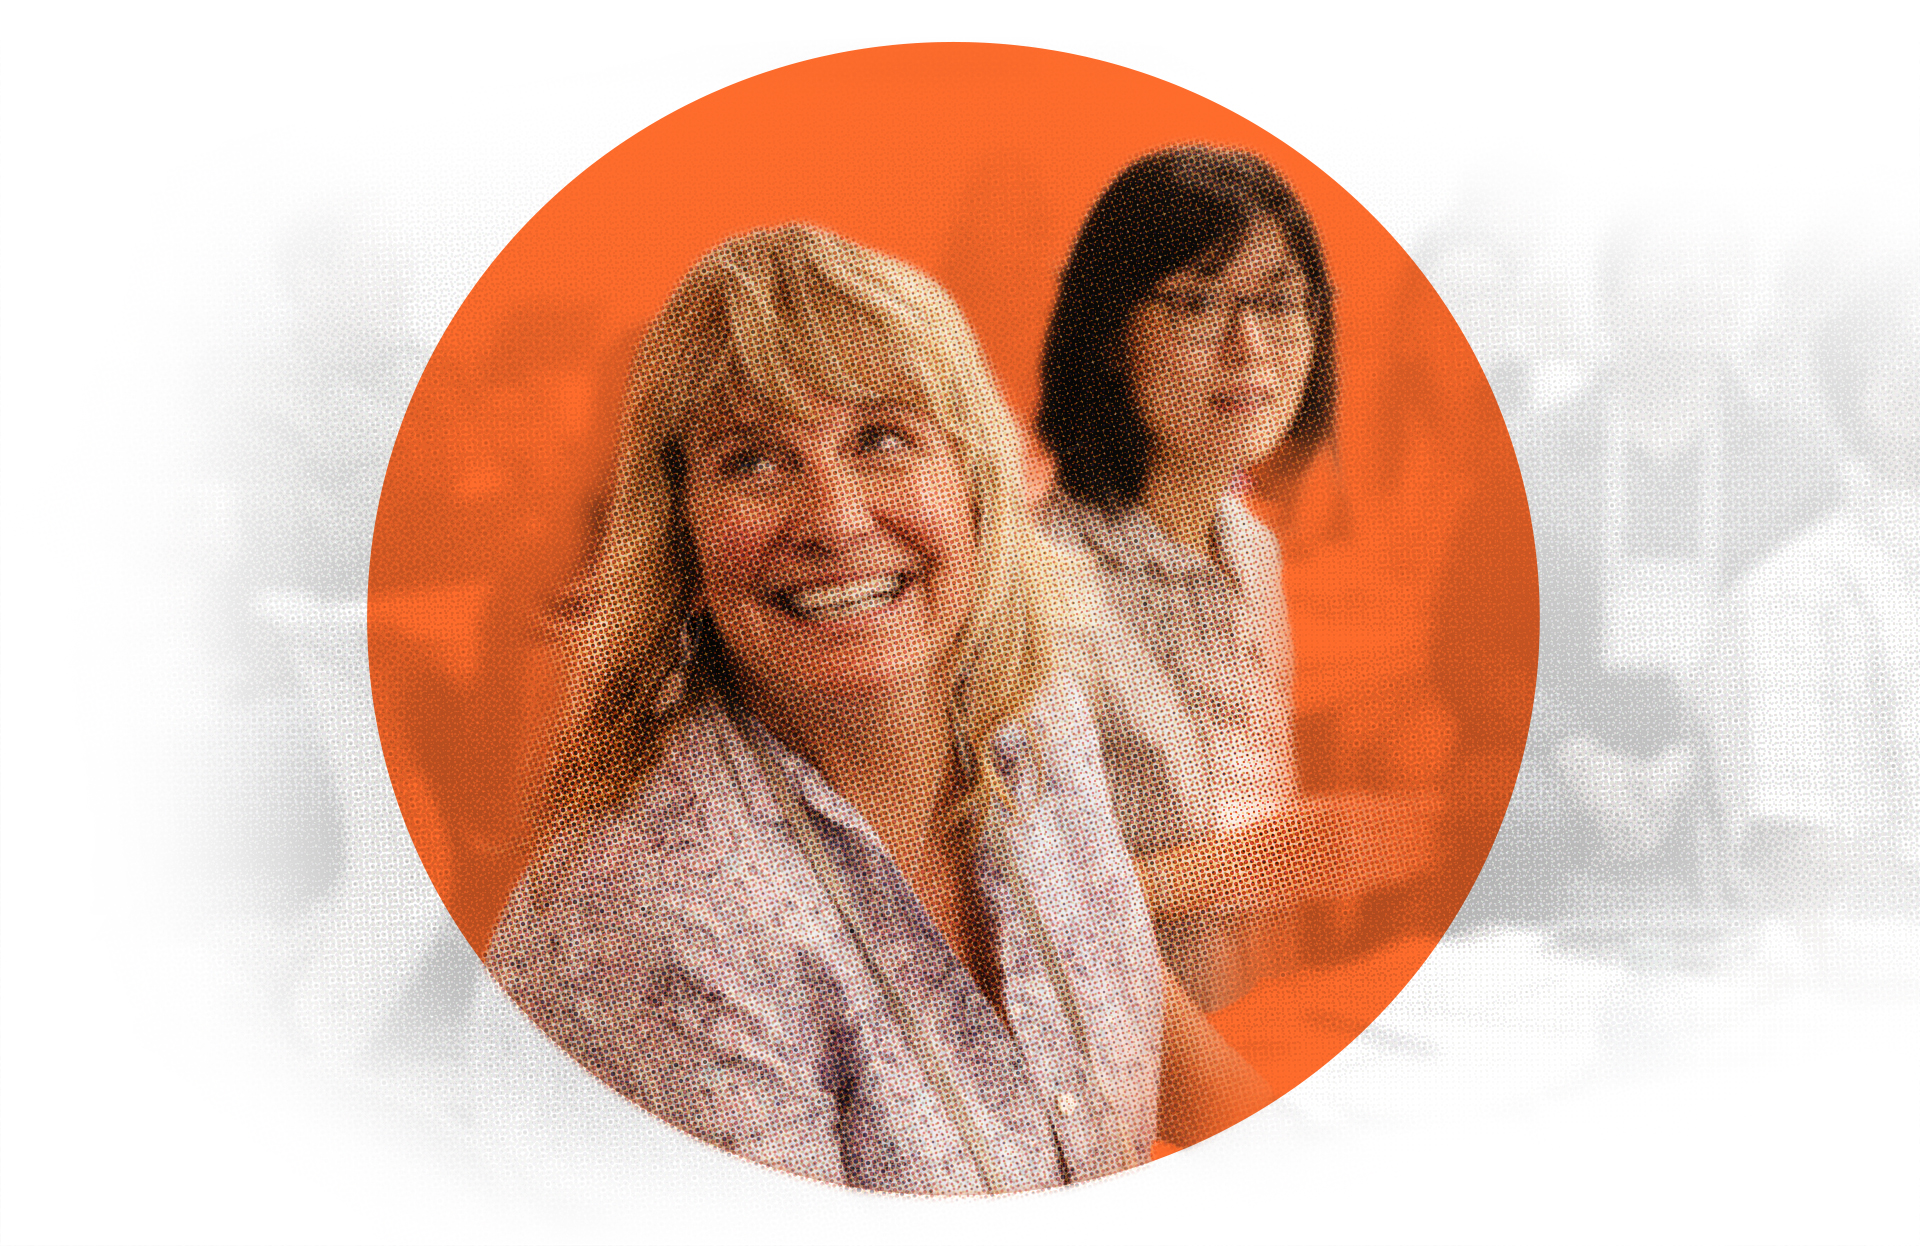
[
  {"x": 881, "y": 438},
  {"x": 1190, "y": 303},
  {"x": 1285, "y": 301},
  {"x": 742, "y": 464}
]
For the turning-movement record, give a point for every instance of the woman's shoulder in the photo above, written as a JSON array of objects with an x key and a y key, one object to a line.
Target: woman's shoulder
[
  {"x": 1055, "y": 745},
  {"x": 1061, "y": 710},
  {"x": 673, "y": 855},
  {"x": 1066, "y": 832},
  {"x": 1097, "y": 531},
  {"x": 685, "y": 810}
]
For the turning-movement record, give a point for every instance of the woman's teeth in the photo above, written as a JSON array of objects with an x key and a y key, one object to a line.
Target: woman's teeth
[{"x": 844, "y": 601}]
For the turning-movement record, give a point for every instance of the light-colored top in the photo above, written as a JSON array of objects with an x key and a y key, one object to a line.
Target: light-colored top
[
  {"x": 1190, "y": 665},
  {"x": 688, "y": 953},
  {"x": 1826, "y": 647}
]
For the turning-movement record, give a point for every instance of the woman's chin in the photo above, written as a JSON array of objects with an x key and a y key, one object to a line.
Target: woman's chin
[
  {"x": 880, "y": 669},
  {"x": 853, "y": 700},
  {"x": 1221, "y": 462}
]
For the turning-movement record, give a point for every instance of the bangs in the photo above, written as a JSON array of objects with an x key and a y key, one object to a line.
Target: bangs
[
  {"x": 834, "y": 332},
  {"x": 774, "y": 321},
  {"x": 1219, "y": 237},
  {"x": 833, "y": 353}
]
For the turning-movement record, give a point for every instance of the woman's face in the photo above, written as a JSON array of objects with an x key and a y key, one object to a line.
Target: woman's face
[
  {"x": 836, "y": 552},
  {"x": 1217, "y": 362}
]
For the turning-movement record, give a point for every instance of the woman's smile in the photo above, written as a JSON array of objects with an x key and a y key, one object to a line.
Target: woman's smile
[
  {"x": 1239, "y": 401},
  {"x": 836, "y": 549},
  {"x": 839, "y": 601}
]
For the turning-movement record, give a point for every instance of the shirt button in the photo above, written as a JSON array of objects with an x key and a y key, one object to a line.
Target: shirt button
[{"x": 1068, "y": 1103}]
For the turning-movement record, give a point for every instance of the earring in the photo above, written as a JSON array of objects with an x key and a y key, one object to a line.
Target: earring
[
  {"x": 676, "y": 683},
  {"x": 695, "y": 629}
]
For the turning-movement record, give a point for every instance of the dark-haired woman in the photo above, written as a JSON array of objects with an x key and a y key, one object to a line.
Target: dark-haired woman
[{"x": 1193, "y": 337}]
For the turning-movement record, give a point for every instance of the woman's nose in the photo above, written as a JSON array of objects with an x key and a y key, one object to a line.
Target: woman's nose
[
  {"x": 832, "y": 506},
  {"x": 1242, "y": 338}
]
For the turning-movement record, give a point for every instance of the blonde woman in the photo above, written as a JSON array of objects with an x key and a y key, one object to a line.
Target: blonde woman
[{"x": 833, "y": 881}]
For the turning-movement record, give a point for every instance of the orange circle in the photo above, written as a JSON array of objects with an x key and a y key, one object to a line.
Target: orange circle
[{"x": 976, "y": 163}]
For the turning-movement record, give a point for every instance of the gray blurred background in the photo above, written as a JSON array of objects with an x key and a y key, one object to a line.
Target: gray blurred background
[{"x": 1678, "y": 1004}]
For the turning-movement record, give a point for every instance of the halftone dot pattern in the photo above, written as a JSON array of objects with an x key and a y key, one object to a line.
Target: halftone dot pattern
[
  {"x": 688, "y": 954},
  {"x": 976, "y": 164}
]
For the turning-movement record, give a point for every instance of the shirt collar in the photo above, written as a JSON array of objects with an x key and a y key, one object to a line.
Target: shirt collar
[
  {"x": 1131, "y": 537},
  {"x": 736, "y": 737},
  {"x": 1248, "y": 549},
  {"x": 742, "y": 741}
]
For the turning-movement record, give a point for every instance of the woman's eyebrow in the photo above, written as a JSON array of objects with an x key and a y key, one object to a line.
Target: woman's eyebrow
[
  {"x": 738, "y": 430},
  {"x": 886, "y": 405},
  {"x": 1282, "y": 272},
  {"x": 717, "y": 440}
]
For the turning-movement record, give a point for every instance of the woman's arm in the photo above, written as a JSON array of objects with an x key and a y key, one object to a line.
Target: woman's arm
[
  {"x": 1319, "y": 846},
  {"x": 1205, "y": 1085},
  {"x": 640, "y": 989}
]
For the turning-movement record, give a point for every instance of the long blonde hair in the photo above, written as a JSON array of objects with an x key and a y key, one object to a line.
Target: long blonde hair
[{"x": 773, "y": 319}]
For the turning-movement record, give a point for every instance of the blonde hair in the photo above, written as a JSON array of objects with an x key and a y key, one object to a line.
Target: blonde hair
[{"x": 774, "y": 319}]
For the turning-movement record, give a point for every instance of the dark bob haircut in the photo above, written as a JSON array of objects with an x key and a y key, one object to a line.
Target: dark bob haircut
[{"x": 1173, "y": 209}]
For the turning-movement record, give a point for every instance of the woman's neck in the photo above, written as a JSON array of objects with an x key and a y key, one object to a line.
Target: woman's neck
[
  {"x": 1185, "y": 504},
  {"x": 890, "y": 757}
]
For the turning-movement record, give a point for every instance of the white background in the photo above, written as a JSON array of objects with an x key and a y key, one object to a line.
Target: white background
[{"x": 153, "y": 1088}]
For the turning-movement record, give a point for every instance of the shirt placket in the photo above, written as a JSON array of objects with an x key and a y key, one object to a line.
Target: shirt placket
[
  {"x": 1059, "y": 1072},
  {"x": 982, "y": 1054},
  {"x": 1219, "y": 625}
]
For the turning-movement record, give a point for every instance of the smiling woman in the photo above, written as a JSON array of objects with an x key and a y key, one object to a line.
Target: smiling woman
[
  {"x": 836, "y": 550},
  {"x": 831, "y": 876}
]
